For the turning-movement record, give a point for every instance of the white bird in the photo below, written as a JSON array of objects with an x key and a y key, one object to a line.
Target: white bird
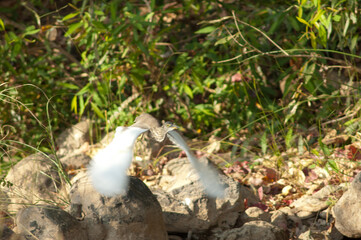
[
  {"x": 207, "y": 175},
  {"x": 108, "y": 168}
]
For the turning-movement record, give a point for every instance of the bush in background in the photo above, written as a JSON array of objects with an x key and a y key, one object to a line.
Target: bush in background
[{"x": 217, "y": 66}]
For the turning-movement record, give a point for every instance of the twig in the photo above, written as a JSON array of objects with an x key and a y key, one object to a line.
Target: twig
[
  {"x": 258, "y": 30},
  {"x": 355, "y": 111}
]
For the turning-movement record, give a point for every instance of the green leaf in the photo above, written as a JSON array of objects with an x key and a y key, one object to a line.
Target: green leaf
[
  {"x": 68, "y": 85},
  {"x": 113, "y": 10},
  {"x": 308, "y": 72},
  {"x": 303, "y": 21},
  {"x": 188, "y": 90},
  {"x": 69, "y": 16},
  {"x": 197, "y": 81},
  {"x": 99, "y": 13},
  {"x": 294, "y": 23},
  {"x": 2, "y": 26},
  {"x": 333, "y": 165},
  {"x": 206, "y": 30},
  {"x": 300, "y": 12},
  {"x": 313, "y": 40},
  {"x": 347, "y": 24},
  {"x": 336, "y": 18},
  {"x": 149, "y": 16},
  {"x": 326, "y": 151},
  {"x": 82, "y": 105},
  {"x": 74, "y": 105},
  {"x": 354, "y": 41},
  {"x": 223, "y": 40},
  {"x": 292, "y": 106},
  {"x": 85, "y": 89},
  {"x": 329, "y": 26},
  {"x": 322, "y": 35},
  {"x": 97, "y": 99},
  {"x": 152, "y": 4},
  {"x": 30, "y": 31},
  {"x": 97, "y": 110},
  {"x": 318, "y": 16},
  {"x": 203, "y": 108},
  {"x": 263, "y": 142},
  {"x": 73, "y": 27},
  {"x": 288, "y": 138}
]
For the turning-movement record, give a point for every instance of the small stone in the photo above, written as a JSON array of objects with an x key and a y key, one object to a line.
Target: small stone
[{"x": 254, "y": 230}]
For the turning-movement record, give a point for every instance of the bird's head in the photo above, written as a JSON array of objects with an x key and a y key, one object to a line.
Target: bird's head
[{"x": 169, "y": 126}]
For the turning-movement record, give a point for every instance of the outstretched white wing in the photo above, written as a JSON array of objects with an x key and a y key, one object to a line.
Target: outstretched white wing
[
  {"x": 207, "y": 175},
  {"x": 108, "y": 168}
]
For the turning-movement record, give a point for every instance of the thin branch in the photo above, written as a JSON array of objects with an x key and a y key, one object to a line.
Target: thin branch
[{"x": 258, "y": 30}]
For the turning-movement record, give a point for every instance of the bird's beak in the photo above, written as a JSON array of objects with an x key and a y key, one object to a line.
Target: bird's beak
[
  {"x": 171, "y": 126},
  {"x": 174, "y": 127}
]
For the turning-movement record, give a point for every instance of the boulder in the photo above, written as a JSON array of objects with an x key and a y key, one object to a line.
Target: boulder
[
  {"x": 47, "y": 223},
  {"x": 347, "y": 210},
  {"x": 136, "y": 215},
  {"x": 185, "y": 205},
  {"x": 75, "y": 161},
  {"x": 35, "y": 179},
  {"x": 73, "y": 138}
]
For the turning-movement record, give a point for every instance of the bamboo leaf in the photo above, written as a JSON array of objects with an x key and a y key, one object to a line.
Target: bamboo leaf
[
  {"x": 263, "y": 142},
  {"x": 206, "y": 30},
  {"x": 97, "y": 110},
  {"x": 2, "y": 25},
  {"x": 72, "y": 28},
  {"x": 288, "y": 138},
  {"x": 74, "y": 105},
  {"x": 70, "y": 15},
  {"x": 188, "y": 91},
  {"x": 303, "y": 21}
]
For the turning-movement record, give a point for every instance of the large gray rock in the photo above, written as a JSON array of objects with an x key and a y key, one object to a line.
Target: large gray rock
[
  {"x": 75, "y": 161},
  {"x": 73, "y": 146},
  {"x": 347, "y": 210},
  {"x": 35, "y": 179},
  {"x": 186, "y": 206},
  {"x": 73, "y": 138},
  {"x": 47, "y": 222},
  {"x": 136, "y": 215}
]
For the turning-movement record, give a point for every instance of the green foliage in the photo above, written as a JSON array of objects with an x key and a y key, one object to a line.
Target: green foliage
[
  {"x": 262, "y": 66},
  {"x": 333, "y": 24},
  {"x": 289, "y": 138}
]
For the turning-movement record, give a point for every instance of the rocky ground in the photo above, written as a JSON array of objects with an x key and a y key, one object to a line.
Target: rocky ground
[{"x": 304, "y": 202}]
